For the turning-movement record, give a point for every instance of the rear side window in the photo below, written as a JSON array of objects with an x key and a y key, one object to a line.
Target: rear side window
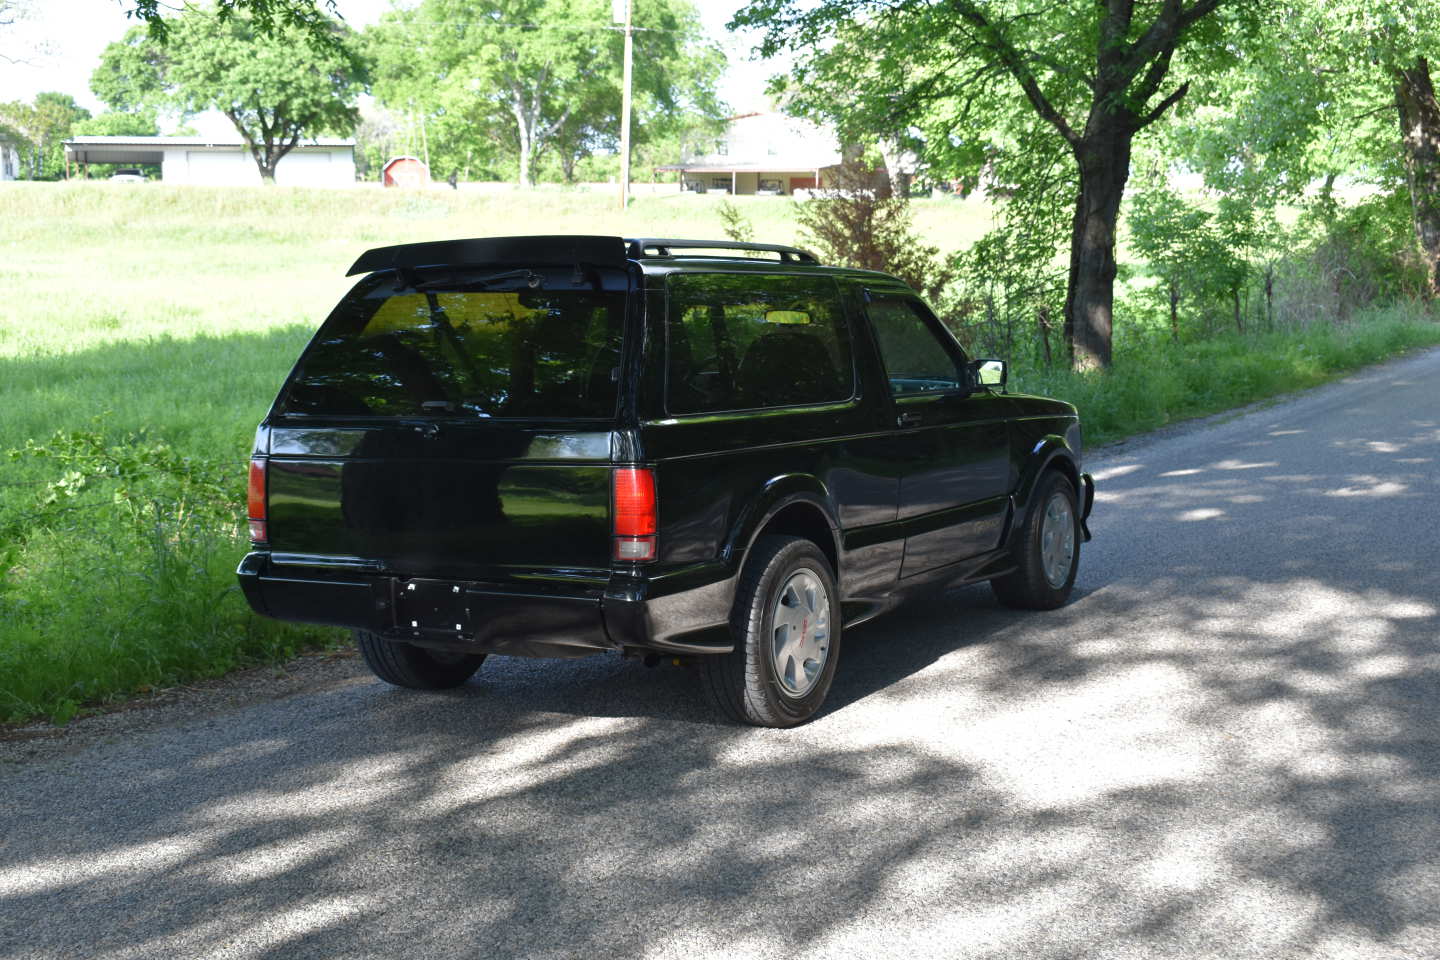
[
  {"x": 531, "y": 353},
  {"x": 744, "y": 341}
]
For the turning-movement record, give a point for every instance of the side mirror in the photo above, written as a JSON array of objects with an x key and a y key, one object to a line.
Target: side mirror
[{"x": 989, "y": 373}]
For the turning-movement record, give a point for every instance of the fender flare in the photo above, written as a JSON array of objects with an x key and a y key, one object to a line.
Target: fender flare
[
  {"x": 780, "y": 492},
  {"x": 1050, "y": 450}
]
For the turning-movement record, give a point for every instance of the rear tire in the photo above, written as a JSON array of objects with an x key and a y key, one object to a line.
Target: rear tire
[
  {"x": 786, "y": 626},
  {"x": 1047, "y": 550},
  {"x": 406, "y": 665}
]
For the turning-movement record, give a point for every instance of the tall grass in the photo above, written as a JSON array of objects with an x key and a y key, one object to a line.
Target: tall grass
[
  {"x": 1155, "y": 382},
  {"x": 158, "y": 322}
]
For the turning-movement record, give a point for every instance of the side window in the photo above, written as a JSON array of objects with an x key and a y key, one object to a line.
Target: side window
[
  {"x": 742, "y": 341},
  {"x": 916, "y": 360}
]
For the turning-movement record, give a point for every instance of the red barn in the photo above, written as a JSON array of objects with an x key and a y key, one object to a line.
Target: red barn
[{"x": 405, "y": 172}]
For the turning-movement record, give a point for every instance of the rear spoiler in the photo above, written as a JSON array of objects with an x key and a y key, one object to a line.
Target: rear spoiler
[{"x": 562, "y": 251}]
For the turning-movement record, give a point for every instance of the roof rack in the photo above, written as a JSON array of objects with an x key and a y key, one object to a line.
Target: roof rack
[{"x": 641, "y": 247}]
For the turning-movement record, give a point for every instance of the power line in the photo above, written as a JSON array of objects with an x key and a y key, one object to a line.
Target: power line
[{"x": 508, "y": 25}]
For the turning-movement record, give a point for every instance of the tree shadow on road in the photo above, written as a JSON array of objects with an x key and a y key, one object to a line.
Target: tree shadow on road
[{"x": 1226, "y": 746}]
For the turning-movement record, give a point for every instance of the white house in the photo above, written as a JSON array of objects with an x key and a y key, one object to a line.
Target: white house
[
  {"x": 9, "y": 160},
  {"x": 762, "y": 153},
  {"x": 322, "y": 162}
]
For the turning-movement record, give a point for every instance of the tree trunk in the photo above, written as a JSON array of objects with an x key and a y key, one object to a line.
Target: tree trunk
[
  {"x": 1270, "y": 296},
  {"x": 1104, "y": 160},
  {"x": 524, "y": 130},
  {"x": 1174, "y": 311},
  {"x": 1235, "y": 302},
  {"x": 892, "y": 155},
  {"x": 525, "y": 183},
  {"x": 1420, "y": 142},
  {"x": 1042, "y": 320}
]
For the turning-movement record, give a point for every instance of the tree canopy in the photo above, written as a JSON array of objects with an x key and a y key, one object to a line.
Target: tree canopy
[
  {"x": 272, "y": 19},
  {"x": 519, "y": 79},
  {"x": 275, "y": 90},
  {"x": 1343, "y": 88},
  {"x": 1088, "y": 77},
  {"x": 43, "y": 126}
]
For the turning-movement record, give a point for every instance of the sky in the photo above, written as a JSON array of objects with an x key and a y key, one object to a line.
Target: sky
[{"x": 57, "y": 45}]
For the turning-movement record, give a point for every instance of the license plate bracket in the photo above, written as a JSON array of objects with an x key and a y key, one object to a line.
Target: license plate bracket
[{"x": 432, "y": 606}]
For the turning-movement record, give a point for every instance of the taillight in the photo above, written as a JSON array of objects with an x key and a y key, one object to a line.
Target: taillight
[
  {"x": 256, "y": 501},
  {"x": 634, "y": 501}
]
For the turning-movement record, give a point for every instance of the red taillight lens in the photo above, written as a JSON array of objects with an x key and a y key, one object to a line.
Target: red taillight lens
[
  {"x": 256, "y": 501},
  {"x": 634, "y": 514},
  {"x": 634, "y": 502}
]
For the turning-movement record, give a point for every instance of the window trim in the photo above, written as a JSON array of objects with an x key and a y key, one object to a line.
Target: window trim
[{"x": 845, "y": 320}]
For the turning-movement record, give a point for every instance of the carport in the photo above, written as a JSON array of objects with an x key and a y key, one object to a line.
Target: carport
[{"x": 321, "y": 162}]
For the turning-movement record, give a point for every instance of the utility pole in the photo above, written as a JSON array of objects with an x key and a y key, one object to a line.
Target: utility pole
[{"x": 625, "y": 101}]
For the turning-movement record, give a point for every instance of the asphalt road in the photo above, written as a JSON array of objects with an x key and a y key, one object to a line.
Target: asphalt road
[{"x": 1226, "y": 746}]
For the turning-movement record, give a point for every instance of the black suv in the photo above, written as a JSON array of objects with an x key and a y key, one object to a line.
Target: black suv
[{"x": 714, "y": 452}]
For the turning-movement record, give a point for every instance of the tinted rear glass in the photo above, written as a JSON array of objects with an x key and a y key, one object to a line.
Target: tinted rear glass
[
  {"x": 530, "y": 353},
  {"x": 746, "y": 341}
]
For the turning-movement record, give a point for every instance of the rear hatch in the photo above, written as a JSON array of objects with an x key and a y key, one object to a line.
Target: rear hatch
[{"x": 454, "y": 422}]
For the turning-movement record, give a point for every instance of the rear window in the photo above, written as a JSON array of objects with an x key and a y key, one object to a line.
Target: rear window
[
  {"x": 528, "y": 353},
  {"x": 747, "y": 341}
]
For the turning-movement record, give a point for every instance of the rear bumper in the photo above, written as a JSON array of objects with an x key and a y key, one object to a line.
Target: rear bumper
[{"x": 547, "y": 621}]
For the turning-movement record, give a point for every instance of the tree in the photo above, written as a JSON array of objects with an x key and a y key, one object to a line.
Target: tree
[
  {"x": 859, "y": 222},
  {"x": 11, "y": 13},
  {"x": 44, "y": 125},
  {"x": 112, "y": 123},
  {"x": 272, "y": 19},
  {"x": 275, "y": 91},
  {"x": 1096, "y": 74},
  {"x": 1420, "y": 146},
  {"x": 535, "y": 76},
  {"x": 1321, "y": 97}
]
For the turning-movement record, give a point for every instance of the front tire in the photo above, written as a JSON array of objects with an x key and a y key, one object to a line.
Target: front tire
[
  {"x": 786, "y": 625},
  {"x": 1048, "y": 549},
  {"x": 406, "y": 665}
]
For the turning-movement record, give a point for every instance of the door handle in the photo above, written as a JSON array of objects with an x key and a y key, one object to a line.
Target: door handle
[{"x": 908, "y": 419}]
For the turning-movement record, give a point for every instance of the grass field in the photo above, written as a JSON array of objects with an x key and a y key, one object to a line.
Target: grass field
[{"x": 152, "y": 325}]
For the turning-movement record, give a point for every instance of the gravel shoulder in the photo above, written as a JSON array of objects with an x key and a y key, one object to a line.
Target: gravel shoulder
[{"x": 309, "y": 673}]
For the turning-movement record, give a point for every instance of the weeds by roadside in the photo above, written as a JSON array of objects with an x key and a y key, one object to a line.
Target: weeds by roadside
[
  {"x": 118, "y": 576},
  {"x": 1156, "y": 382}
]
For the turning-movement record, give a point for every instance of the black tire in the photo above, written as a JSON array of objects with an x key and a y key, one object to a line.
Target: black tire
[
  {"x": 1029, "y": 587},
  {"x": 747, "y": 684},
  {"x": 407, "y": 665}
]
